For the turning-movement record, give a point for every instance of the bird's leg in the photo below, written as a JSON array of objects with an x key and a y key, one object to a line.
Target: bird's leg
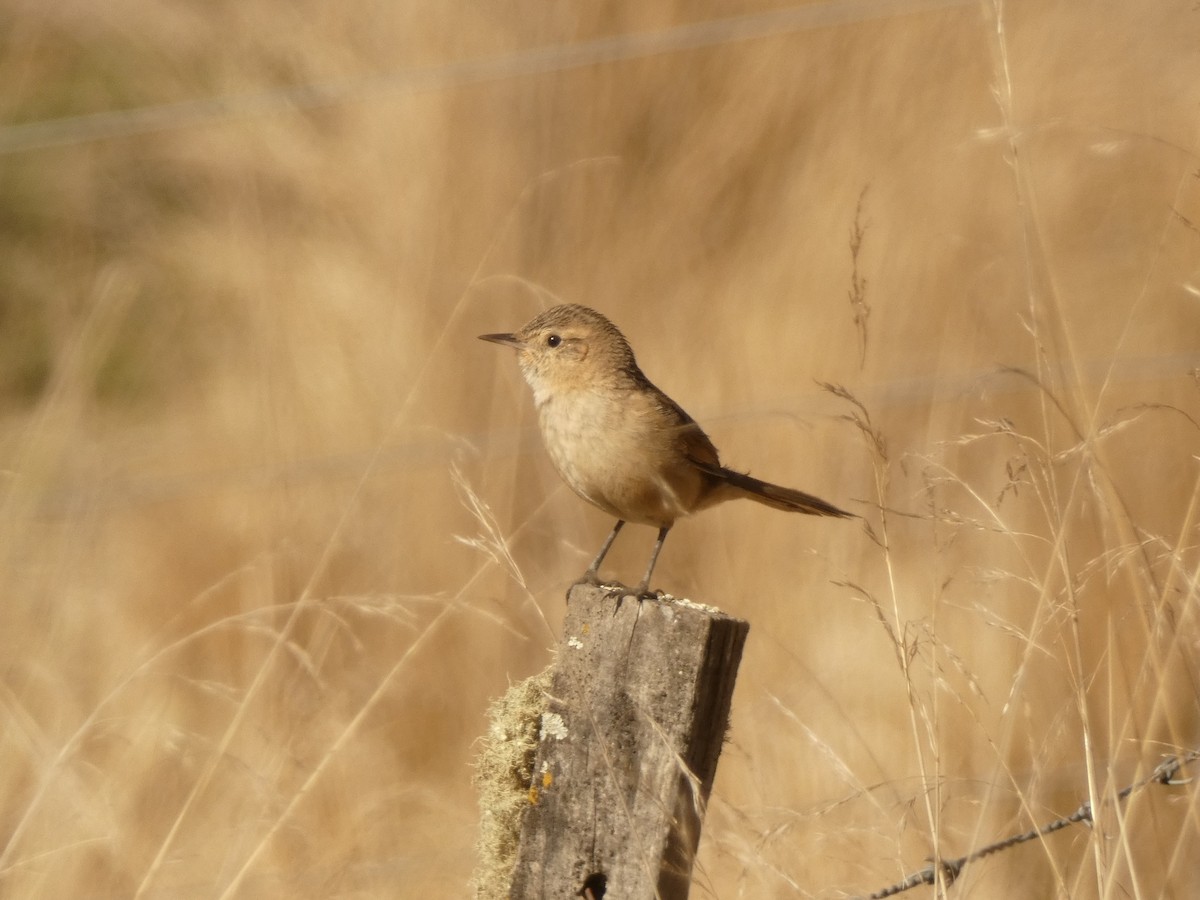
[
  {"x": 591, "y": 576},
  {"x": 642, "y": 590}
]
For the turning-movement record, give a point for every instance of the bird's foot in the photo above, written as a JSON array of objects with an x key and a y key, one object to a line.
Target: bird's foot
[
  {"x": 643, "y": 592},
  {"x": 639, "y": 593},
  {"x": 620, "y": 590},
  {"x": 590, "y": 578}
]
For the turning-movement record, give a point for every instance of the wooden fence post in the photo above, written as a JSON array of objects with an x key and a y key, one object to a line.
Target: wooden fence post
[{"x": 628, "y": 748}]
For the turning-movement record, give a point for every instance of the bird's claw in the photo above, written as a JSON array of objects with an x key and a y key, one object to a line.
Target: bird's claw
[
  {"x": 590, "y": 578},
  {"x": 641, "y": 592},
  {"x": 623, "y": 591}
]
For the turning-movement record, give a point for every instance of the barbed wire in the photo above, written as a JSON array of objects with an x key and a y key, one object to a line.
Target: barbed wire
[
  {"x": 20, "y": 137},
  {"x": 1166, "y": 773}
]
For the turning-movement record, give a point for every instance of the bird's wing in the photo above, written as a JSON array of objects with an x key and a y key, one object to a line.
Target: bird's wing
[
  {"x": 691, "y": 438},
  {"x": 699, "y": 449},
  {"x": 697, "y": 446}
]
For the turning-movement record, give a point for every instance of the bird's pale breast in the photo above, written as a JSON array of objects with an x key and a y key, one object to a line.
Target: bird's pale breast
[{"x": 615, "y": 451}]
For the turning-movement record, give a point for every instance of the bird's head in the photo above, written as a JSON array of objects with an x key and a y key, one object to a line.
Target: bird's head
[{"x": 567, "y": 348}]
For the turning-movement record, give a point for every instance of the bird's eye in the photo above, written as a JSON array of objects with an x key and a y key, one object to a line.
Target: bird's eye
[{"x": 553, "y": 341}]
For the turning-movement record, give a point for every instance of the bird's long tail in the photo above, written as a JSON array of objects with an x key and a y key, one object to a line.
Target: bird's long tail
[{"x": 774, "y": 495}]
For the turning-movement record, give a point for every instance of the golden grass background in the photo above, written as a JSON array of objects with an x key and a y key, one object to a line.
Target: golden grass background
[{"x": 252, "y": 613}]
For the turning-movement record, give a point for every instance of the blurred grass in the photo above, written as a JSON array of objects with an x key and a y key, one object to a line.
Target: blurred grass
[{"x": 244, "y": 653}]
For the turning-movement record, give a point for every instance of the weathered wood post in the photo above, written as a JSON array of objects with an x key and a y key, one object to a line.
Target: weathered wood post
[{"x": 628, "y": 748}]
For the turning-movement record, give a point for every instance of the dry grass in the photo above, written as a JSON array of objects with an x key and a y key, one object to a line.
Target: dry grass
[{"x": 244, "y": 653}]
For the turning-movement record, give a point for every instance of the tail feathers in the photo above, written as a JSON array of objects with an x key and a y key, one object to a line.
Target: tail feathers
[{"x": 779, "y": 497}]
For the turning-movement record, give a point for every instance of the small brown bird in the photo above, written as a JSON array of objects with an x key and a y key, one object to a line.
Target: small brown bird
[{"x": 617, "y": 440}]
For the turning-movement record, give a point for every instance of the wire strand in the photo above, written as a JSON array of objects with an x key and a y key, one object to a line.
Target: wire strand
[
  {"x": 109, "y": 124},
  {"x": 1167, "y": 773}
]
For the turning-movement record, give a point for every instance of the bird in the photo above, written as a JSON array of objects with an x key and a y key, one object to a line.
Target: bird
[{"x": 618, "y": 441}]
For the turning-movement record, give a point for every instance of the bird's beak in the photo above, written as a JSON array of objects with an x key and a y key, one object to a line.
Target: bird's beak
[{"x": 509, "y": 340}]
